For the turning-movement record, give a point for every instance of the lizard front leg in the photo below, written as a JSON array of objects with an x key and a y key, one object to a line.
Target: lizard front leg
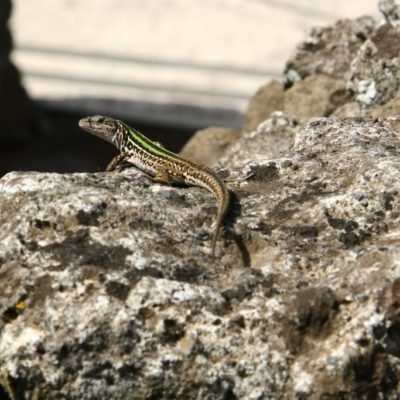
[{"x": 117, "y": 160}]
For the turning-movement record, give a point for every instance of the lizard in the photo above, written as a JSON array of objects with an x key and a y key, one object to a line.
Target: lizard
[{"x": 162, "y": 165}]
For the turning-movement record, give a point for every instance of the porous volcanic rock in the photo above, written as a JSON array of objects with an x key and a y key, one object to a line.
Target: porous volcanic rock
[
  {"x": 207, "y": 146},
  {"x": 268, "y": 99},
  {"x": 316, "y": 95},
  {"x": 109, "y": 290},
  {"x": 329, "y": 50}
]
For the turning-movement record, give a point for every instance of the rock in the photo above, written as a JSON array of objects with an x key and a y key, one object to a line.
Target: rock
[
  {"x": 347, "y": 110},
  {"x": 108, "y": 287},
  {"x": 364, "y": 77},
  {"x": 329, "y": 50},
  {"x": 351, "y": 61},
  {"x": 390, "y": 10},
  {"x": 387, "y": 41},
  {"x": 273, "y": 136},
  {"x": 208, "y": 145},
  {"x": 391, "y": 108},
  {"x": 315, "y": 96},
  {"x": 267, "y": 99},
  {"x": 374, "y": 75},
  {"x": 310, "y": 310}
]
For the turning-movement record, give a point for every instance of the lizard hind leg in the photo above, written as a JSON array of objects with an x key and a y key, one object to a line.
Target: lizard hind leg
[{"x": 162, "y": 176}]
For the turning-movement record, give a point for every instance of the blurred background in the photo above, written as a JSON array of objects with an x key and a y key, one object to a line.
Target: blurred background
[{"x": 167, "y": 67}]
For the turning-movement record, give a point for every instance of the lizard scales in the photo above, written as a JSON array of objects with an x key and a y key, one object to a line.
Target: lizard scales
[{"x": 161, "y": 164}]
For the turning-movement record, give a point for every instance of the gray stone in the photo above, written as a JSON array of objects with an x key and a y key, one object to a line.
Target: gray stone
[
  {"x": 267, "y": 99},
  {"x": 351, "y": 109},
  {"x": 329, "y": 50},
  {"x": 315, "y": 96},
  {"x": 361, "y": 55},
  {"x": 374, "y": 73},
  {"x": 390, "y": 10},
  {"x": 207, "y": 146},
  {"x": 273, "y": 136},
  {"x": 109, "y": 291},
  {"x": 391, "y": 108}
]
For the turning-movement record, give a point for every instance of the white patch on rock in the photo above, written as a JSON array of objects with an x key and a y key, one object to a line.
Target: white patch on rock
[
  {"x": 366, "y": 91},
  {"x": 303, "y": 382},
  {"x": 13, "y": 341}
]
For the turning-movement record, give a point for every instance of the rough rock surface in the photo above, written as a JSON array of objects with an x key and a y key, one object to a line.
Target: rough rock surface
[
  {"x": 108, "y": 287},
  {"x": 207, "y": 146},
  {"x": 361, "y": 54},
  {"x": 329, "y": 50},
  {"x": 388, "y": 109},
  {"x": 274, "y": 135},
  {"x": 390, "y": 10},
  {"x": 316, "y": 95},
  {"x": 267, "y": 99}
]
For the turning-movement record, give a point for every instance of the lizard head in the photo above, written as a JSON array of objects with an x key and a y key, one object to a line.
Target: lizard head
[{"x": 106, "y": 128}]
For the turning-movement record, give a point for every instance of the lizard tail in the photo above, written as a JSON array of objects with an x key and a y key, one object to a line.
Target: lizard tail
[{"x": 215, "y": 237}]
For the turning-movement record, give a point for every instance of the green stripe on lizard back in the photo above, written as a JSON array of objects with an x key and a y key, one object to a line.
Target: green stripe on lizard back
[{"x": 149, "y": 145}]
